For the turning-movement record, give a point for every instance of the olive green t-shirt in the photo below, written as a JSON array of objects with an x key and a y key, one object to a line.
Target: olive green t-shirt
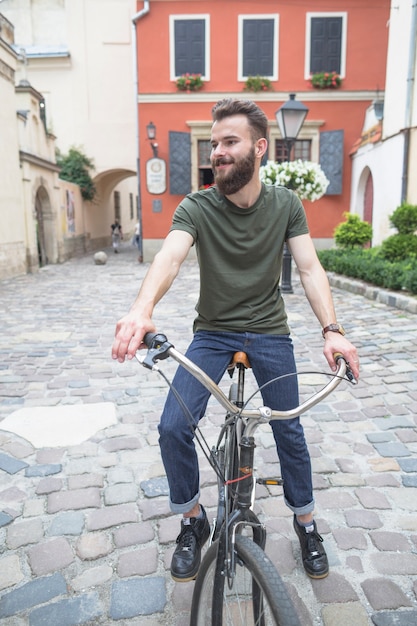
[{"x": 240, "y": 257}]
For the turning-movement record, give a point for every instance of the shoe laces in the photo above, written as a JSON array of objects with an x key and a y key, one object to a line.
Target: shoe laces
[
  {"x": 187, "y": 537},
  {"x": 312, "y": 543}
]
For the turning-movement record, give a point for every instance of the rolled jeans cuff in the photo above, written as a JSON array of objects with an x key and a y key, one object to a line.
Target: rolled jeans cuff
[
  {"x": 301, "y": 510},
  {"x": 186, "y": 506}
]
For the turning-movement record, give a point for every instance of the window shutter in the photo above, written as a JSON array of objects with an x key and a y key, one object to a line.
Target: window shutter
[
  {"x": 258, "y": 48},
  {"x": 179, "y": 163},
  {"x": 190, "y": 43},
  {"x": 331, "y": 159},
  {"x": 326, "y": 44}
]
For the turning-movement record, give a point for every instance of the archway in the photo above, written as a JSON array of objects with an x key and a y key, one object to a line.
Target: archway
[
  {"x": 368, "y": 200},
  {"x": 44, "y": 236},
  {"x": 364, "y": 201}
]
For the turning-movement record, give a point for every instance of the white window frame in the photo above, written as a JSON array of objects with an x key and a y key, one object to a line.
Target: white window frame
[
  {"x": 343, "y": 43},
  {"x": 257, "y": 16},
  {"x": 195, "y": 16}
]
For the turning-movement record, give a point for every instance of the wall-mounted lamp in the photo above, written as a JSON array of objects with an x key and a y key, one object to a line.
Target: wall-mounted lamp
[
  {"x": 379, "y": 109},
  {"x": 151, "y": 133},
  {"x": 42, "y": 113},
  {"x": 378, "y": 105}
]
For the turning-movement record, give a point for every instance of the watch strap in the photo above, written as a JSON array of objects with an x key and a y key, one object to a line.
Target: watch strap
[{"x": 334, "y": 328}]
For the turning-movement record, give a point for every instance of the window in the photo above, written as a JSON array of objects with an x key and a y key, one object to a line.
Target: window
[
  {"x": 132, "y": 211},
  {"x": 205, "y": 173},
  {"x": 258, "y": 46},
  {"x": 117, "y": 205},
  {"x": 301, "y": 150},
  {"x": 326, "y": 43},
  {"x": 189, "y": 41}
]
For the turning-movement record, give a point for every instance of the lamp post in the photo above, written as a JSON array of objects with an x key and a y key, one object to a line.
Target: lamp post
[
  {"x": 290, "y": 118},
  {"x": 151, "y": 133}
]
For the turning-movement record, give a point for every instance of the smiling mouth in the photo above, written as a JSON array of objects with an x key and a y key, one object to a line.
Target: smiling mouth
[{"x": 222, "y": 163}]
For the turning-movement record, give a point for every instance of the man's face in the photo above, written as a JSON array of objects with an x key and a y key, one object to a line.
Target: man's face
[{"x": 233, "y": 154}]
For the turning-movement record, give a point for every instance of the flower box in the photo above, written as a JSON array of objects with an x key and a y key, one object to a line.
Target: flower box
[
  {"x": 257, "y": 83},
  {"x": 189, "y": 82},
  {"x": 326, "y": 80}
]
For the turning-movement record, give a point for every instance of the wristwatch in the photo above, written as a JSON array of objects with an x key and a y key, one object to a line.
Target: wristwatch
[{"x": 334, "y": 328}]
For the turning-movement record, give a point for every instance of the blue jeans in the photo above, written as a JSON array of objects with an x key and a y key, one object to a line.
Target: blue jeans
[{"x": 270, "y": 356}]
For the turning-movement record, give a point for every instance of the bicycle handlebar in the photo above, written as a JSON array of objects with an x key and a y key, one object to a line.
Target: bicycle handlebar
[{"x": 160, "y": 348}]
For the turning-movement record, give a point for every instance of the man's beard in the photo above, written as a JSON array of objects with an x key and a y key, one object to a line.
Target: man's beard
[{"x": 239, "y": 175}]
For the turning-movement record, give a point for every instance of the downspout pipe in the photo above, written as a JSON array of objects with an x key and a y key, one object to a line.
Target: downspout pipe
[
  {"x": 135, "y": 19},
  {"x": 409, "y": 98}
]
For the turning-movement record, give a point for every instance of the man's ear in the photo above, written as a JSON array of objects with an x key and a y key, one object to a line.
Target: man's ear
[{"x": 261, "y": 147}]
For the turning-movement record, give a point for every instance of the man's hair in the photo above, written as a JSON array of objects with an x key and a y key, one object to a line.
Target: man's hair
[{"x": 257, "y": 119}]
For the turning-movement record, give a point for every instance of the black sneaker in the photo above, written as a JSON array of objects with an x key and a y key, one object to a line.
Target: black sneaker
[
  {"x": 312, "y": 550},
  {"x": 187, "y": 556}
]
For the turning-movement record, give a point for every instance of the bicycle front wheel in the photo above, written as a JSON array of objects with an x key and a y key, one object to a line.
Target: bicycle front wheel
[{"x": 257, "y": 596}]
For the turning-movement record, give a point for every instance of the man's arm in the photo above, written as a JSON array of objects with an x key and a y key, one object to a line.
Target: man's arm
[
  {"x": 317, "y": 289},
  {"x": 131, "y": 328}
]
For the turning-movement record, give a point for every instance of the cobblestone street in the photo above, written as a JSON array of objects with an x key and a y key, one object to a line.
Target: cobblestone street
[{"x": 86, "y": 535}]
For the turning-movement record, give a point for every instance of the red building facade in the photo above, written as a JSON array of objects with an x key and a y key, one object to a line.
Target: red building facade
[{"x": 228, "y": 41}]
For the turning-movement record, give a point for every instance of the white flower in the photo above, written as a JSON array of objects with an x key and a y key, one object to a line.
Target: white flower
[{"x": 305, "y": 178}]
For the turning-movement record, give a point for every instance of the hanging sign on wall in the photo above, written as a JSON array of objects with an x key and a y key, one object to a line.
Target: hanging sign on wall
[{"x": 156, "y": 180}]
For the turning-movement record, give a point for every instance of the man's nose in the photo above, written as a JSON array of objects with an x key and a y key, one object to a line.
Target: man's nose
[{"x": 218, "y": 150}]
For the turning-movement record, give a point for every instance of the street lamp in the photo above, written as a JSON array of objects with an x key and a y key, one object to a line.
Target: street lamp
[
  {"x": 290, "y": 118},
  {"x": 151, "y": 133}
]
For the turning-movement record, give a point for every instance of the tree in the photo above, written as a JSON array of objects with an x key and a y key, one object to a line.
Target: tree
[
  {"x": 353, "y": 233},
  {"x": 75, "y": 167}
]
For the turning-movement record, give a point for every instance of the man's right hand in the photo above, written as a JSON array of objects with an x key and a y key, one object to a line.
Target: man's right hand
[{"x": 129, "y": 334}]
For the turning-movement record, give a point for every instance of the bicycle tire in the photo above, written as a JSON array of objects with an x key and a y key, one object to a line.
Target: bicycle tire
[
  {"x": 232, "y": 447},
  {"x": 227, "y": 462},
  {"x": 227, "y": 457},
  {"x": 256, "y": 582}
]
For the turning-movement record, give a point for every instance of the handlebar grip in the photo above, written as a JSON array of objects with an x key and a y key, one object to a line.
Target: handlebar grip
[
  {"x": 154, "y": 340},
  {"x": 349, "y": 375}
]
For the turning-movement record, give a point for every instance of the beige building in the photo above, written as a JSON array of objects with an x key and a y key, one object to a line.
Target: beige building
[
  {"x": 66, "y": 80},
  {"x": 12, "y": 218}
]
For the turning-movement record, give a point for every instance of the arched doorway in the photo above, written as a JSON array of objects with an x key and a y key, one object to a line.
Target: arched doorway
[
  {"x": 368, "y": 199},
  {"x": 43, "y": 219}
]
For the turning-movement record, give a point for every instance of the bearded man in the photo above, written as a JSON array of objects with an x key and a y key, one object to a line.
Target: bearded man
[{"x": 239, "y": 227}]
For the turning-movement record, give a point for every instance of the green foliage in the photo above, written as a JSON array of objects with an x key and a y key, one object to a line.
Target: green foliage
[
  {"x": 353, "y": 232},
  {"x": 189, "y": 82},
  {"x": 257, "y": 83},
  {"x": 75, "y": 167},
  {"x": 404, "y": 219},
  {"x": 392, "y": 266},
  {"x": 326, "y": 80},
  {"x": 370, "y": 266},
  {"x": 399, "y": 247},
  {"x": 410, "y": 281}
]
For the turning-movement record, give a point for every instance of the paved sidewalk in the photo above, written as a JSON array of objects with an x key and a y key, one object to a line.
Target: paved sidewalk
[{"x": 86, "y": 535}]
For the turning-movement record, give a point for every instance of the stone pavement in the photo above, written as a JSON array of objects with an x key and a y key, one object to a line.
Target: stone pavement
[{"x": 85, "y": 531}]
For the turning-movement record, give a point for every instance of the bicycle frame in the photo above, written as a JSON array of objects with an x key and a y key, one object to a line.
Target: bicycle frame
[
  {"x": 159, "y": 348},
  {"x": 239, "y": 428}
]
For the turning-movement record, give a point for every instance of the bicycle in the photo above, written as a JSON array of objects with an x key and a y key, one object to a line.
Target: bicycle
[{"x": 237, "y": 583}]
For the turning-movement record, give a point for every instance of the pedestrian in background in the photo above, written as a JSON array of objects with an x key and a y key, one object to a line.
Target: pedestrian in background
[
  {"x": 116, "y": 235},
  {"x": 136, "y": 238}
]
